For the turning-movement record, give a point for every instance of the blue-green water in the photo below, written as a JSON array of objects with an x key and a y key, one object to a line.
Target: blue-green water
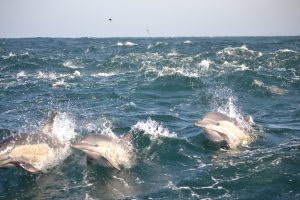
[{"x": 156, "y": 88}]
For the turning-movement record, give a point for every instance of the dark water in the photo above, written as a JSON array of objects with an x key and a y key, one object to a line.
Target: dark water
[{"x": 156, "y": 88}]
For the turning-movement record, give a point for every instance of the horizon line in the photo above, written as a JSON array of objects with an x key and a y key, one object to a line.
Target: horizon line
[{"x": 120, "y": 37}]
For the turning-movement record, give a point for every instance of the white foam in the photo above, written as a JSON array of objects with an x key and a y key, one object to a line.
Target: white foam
[
  {"x": 161, "y": 43},
  {"x": 10, "y": 55},
  {"x": 205, "y": 64},
  {"x": 102, "y": 126},
  {"x": 25, "y": 54},
  {"x": 167, "y": 71},
  {"x": 63, "y": 128},
  {"x": 173, "y": 187},
  {"x": 76, "y": 73},
  {"x": 258, "y": 83},
  {"x": 88, "y": 197},
  {"x": 173, "y": 53},
  {"x": 103, "y": 74},
  {"x": 229, "y": 108},
  {"x": 235, "y": 65},
  {"x": 43, "y": 75},
  {"x": 71, "y": 64},
  {"x": 153, "y": 128},
  {"x": 21, "y": 74},
  {"x": 63, "y": 131},
  {"x": 150, "y": 46},
  {"x": 234, "y": 51},
  {"x": 286, "y": 50},
  {"x": 119, "y": 44},
  {"x": 187, "y": 42},
  {"x": 129, "y": 44},
  {"x": 60, "y": 83},
  {"x": 243, "y": 67}
]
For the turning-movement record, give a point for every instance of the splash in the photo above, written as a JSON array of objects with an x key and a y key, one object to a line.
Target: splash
[
  {"x": 102, "y": 126},
  {"x": 63, "y": 130},
  {"x": 204, "y": 64},
  {"x": 153, "y": 128},
  {"x": 225, "y": 102}
]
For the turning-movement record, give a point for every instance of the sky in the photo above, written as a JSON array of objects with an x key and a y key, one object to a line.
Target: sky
[{"x": 148, "y": 18}]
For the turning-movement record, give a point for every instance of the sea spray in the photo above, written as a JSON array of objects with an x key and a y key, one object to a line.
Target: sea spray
[
  {"x": 153, "y": 128},
  {"x": 64, "y": 131}
]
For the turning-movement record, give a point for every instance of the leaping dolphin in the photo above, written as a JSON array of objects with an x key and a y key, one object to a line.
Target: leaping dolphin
[
  {"x": 219, "y": 128},
  {"x": 29, "y": 151},
  {"x": 107, "y": 151}
]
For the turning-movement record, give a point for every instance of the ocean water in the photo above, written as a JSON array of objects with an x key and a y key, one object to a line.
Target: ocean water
[{"x": 156, "y": 88}]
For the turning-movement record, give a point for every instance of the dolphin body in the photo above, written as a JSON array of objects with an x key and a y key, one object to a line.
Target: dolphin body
[
  {"x": 106, "y": 151},
  {"x": 221, "y": 128},
  {"x": 29, "y": 151}
]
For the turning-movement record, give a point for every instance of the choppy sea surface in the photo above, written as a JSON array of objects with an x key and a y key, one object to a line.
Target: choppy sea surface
[{"x": 156, "y": 88}]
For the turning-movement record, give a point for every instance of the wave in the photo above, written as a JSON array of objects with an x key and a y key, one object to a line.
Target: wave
[
  {"x": 235, "y": 65},
  {"x": 242, "y": 51},
  {"x": 10, "y": 55},
  {"x": 286, "y": 51}
]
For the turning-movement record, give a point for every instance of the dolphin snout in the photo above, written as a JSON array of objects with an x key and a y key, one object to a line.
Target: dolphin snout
[
  {"x": 200, "y": 123},
  {"x": 77, "y": 146}
]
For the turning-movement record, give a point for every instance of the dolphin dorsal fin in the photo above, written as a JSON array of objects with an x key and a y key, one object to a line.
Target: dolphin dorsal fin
[
  {"x": 127, "y": 137},
  {"x": 47, "y": 127}
]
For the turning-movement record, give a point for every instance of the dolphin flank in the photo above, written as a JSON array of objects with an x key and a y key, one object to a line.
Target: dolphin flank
[
  {"x": 29, "y": 151},
  {"x": 106, "y": 151},
  {"x": 221, "y": 128}
]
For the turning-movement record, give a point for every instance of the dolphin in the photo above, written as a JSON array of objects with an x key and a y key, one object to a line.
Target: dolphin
[
  {"x": 29, "y": 151},
  {"x": 107, "y": 151},
  {"x": 221, "y": 128}
]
